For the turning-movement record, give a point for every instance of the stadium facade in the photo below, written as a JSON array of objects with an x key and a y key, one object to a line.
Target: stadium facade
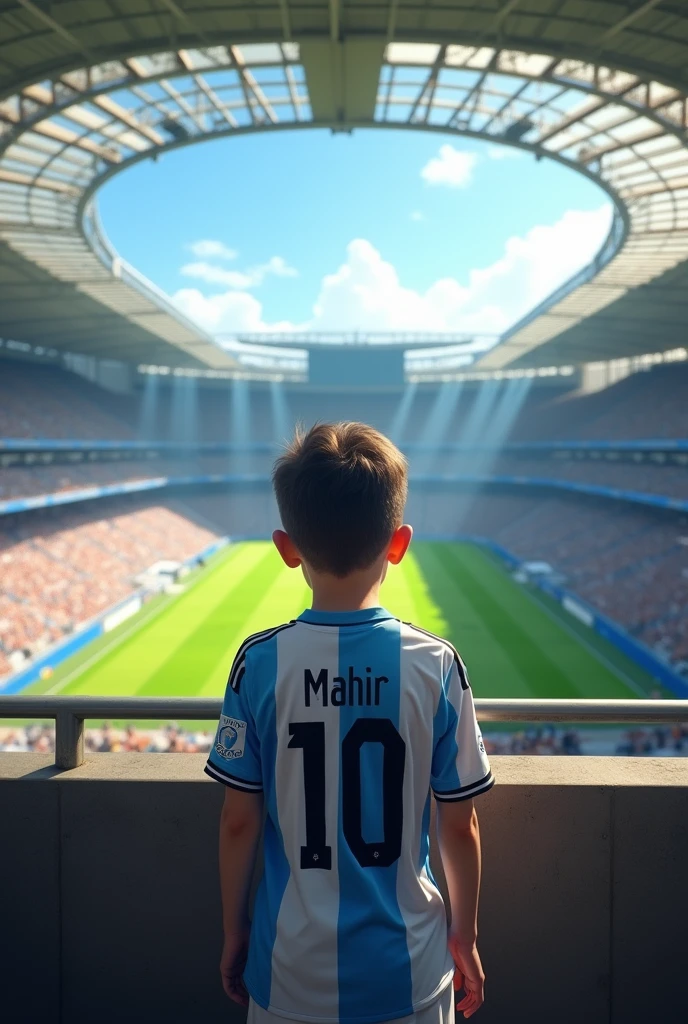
[
  {"x": 132, "y": 401},
  {"x": 89, "y": 90},
  {"x": 131, "y": 443}
]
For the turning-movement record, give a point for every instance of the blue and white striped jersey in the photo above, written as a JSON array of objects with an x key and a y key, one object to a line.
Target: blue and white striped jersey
[{"x": 346, "y": 722}]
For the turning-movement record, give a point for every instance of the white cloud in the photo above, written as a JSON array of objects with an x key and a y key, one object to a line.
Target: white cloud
[
  {"x": 453, "y": 167},
  {"x": 239, "y": 279},
  {"x": 227, "y": 312},
  {"x": 365, "y": 292},
  {"x": 505, "y": 153},
  {"x": 210, "y": 248},
  {"x": 417, "y": 215},
  {"x": 212, "y": 274},
  {"x": 278, "y": 266}
]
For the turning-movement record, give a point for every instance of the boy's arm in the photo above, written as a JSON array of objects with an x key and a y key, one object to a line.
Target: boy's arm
[
  {"x": 459, "y": 842},
  {"x": 458, "y": 836},
  {"x": 240, "y": 828}
]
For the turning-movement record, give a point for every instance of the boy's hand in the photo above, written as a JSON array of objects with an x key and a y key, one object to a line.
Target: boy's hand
[
  {"x": 468, "y": 975},
  {"x": 232, "y": 964}
]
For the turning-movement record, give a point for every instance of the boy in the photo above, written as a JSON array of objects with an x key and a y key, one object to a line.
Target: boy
[{"x": 344, "y": 720}]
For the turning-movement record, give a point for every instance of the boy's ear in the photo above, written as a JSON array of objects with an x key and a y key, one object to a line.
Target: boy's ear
[
  {"x": 398, "y": 546},
  {"x": 286, "y": 548}
]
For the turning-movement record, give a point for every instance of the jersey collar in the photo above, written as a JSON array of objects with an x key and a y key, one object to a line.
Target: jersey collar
[{"x": 363, "y": 617}]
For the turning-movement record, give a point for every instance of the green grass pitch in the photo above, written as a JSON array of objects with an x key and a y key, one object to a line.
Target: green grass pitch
[{"x": 514, "y": 642}]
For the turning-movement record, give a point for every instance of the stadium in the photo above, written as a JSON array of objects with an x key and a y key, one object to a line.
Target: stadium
[{"x": 548, "y": 464}]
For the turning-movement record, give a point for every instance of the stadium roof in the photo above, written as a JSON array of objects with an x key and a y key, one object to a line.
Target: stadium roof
[{"x": 89, "y": 87}]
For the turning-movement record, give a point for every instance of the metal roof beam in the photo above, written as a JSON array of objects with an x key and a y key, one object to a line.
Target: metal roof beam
[
  {"x": 59, "y": 29},
  {"x": 185, "y": 108},
  {"x": 252, "y": 92},
  {"x": 126, "y": 118},
  {"x": 70, "y": 138},
  {"x": 291, "y": 86},
  {"x": 206, "y": 90},
  {"x": 504, "y": 11},
  {"x": 624, "y": 22},
  {"x": 392, "y": 19},
  {"x": 473, "y": 95},
  {"x": 334, "y": 20},
  {"x": 181, "y": 15},
  {"x": 286, "y": 19},
  {"x": 427, "y": 93}
]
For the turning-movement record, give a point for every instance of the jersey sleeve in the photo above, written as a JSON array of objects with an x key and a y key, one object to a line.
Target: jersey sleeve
[
  {"x": 460, "y": 768},
  {"x": 234, "y": 757}
]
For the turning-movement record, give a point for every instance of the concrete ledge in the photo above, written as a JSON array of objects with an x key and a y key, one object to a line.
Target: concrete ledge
[
  {"x": 509, "y": 770},
  {"x": 113, "y": 896}
]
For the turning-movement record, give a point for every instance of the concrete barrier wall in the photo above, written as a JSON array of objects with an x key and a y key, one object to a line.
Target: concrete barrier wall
[{"x": 110, "y": 905}]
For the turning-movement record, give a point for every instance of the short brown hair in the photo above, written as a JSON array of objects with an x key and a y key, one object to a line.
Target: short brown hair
[{"x": 341, "y": 490}]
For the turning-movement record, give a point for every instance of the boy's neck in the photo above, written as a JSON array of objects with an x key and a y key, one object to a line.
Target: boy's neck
[{"x": 344, "y": 595}]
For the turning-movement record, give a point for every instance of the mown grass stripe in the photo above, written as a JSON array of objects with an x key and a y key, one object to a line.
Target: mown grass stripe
[
  {"x": 188, "y": 667},
  {"x": 490, "y": 667},
  {"x": 403, "y": 588},
  {"x": 586, "y": 668},
  {"x": 283, "y": 600},
  {"x": 529, "y": 657},
  {"x": 125, "y": 668},
  {"x": 543, "y": 652},
  {"x": 513, "y": 648}
]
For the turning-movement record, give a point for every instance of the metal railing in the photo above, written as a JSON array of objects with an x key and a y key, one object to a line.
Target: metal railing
[{"x": 70, "y": 713}]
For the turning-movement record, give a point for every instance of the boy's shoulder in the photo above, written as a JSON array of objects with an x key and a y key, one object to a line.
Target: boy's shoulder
[
  {"x": 249, "y": 648},
  {"x": 434, "y": 643}
]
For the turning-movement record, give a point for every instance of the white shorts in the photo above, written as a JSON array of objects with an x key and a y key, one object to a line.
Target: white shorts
[{"x": 439, "y": 1012}]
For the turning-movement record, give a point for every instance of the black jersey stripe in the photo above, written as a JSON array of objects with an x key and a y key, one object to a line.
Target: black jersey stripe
[
  {"x": 470, "y": 792},
  {"x": 342, "y": 625},
  {"x": 462, "y": 789},
  {"x": 463, "y": 676},
  {"x": 238, "y": 666},
  {"x": 245, "y": 644},
  {"x": 229, "y": 782},
  {"x": 220, "y": 773}
]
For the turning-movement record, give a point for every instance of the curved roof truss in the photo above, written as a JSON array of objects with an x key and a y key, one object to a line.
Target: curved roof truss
[{"x": 62, "y": 137}]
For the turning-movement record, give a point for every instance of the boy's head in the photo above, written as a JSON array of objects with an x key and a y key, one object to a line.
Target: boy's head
[{"x": 341, "y": 490}]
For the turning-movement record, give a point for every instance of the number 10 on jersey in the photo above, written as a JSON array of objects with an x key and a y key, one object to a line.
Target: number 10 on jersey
[{"x": 310, "y": 737}]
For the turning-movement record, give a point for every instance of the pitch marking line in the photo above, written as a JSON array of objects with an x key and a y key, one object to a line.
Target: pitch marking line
[
  {"x": 614, "y": 669},
  {"x": 140, "y": 620}
]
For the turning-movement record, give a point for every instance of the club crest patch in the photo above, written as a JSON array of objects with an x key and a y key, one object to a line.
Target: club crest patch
[{"x": 231, "y": 738}]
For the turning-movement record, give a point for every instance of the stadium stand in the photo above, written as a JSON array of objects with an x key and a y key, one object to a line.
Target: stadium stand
[
  {"x": 667, "y": 479},
  {"x": 61, "y": 567},
  {"x": 662, "y": 740},
  {"x": 21, "y": 482},
  {"x": 647, "y": 477},
  {"x": 628, "y": 561},
  {"x": 650, "y": 404},
  {"x": 110, "y": 740},
  {"x": 46, "y": 401}
]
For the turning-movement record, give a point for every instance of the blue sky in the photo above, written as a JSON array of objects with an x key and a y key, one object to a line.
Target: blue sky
[{"x": 375, "y": 230}]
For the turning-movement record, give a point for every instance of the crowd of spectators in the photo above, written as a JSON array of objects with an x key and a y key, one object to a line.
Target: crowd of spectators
[
  {"x": 659, "y": 741},
  {"x": 670, "y": 480},
  {"x": 45, "y": 401},
  {"x": 650, "y": 404},
  {"x": 108, "y": 739},
  {"x": 628, "y": 561},
  {"x": 50, "y": 402},
  {"x": 61, "y": 567},
  {"x": 23, "y": 482},
  {"x": 656, "y": 741}
]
